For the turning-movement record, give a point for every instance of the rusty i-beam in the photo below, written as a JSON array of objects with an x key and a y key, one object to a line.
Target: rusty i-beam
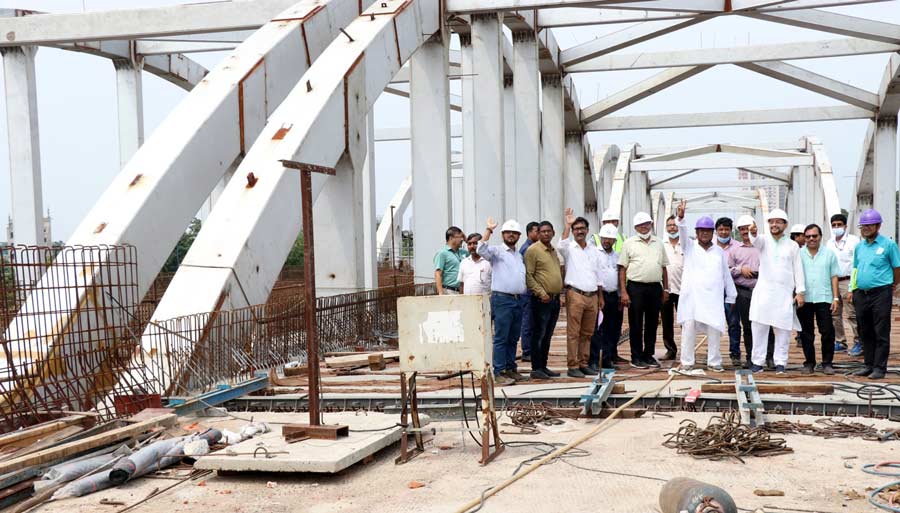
[{"x": 315, "y": 429}]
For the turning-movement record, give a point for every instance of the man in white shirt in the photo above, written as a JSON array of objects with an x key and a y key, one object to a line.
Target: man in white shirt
[
  {"x": 843, "y": 244},
  {"x": 606, "y": 337},
  {"x": 781, "y": 283},
  {"x": 706, "y": 280},
  {"x": 584, "y": 297},
  {"x": 675, "y": 267},
  {"x": 474, "y": 271}
]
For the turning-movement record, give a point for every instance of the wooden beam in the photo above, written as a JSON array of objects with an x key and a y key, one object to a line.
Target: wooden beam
[
  {"x": 86, "y": 444},
  {"x": 786, "y": 388}
]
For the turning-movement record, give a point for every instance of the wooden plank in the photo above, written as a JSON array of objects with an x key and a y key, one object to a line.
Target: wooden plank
[
  {"x": 41, "y": 429},
  {"x": 793, "y": 388},
  {"x": 360, "y": 360},
  {"x": 79, "y": 446}
]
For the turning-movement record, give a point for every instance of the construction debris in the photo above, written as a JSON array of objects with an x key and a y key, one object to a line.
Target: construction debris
[
  {"x": 832, "y": 428},
  {"x": 724, "y": 437}
]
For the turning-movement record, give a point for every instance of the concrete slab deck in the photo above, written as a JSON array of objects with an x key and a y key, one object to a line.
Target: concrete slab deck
[{"x": 368, "y": 434}]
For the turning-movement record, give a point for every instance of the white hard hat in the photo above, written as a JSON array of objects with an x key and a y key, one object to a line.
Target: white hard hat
[
  {"x": 777, "y": 214},
  {"x": 609, "y": 231},
  {"x": 511, "y": 225},
  {"x": 609, "y": 215},
  {"x": 641, "y": 218},
  {"x": 744, "y": 220},
  {"x": 798, "y": 228}
]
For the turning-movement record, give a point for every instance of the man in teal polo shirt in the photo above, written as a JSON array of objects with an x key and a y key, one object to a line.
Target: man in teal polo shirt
[
  {"x": 820, "y": 273},
  {"x": 447, "y": 260},
  {"x": 876, "y": 271}
]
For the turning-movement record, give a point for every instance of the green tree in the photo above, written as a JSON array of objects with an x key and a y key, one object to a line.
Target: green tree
[
  {"x": 295, "y": 257},
  {"x": 181, "y": 249}
]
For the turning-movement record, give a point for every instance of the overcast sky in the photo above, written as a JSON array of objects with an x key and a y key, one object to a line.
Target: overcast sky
[{"x": 77, "y": 105}]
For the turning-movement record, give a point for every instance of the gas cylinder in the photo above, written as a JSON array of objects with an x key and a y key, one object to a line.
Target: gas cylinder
[{"x": 682, "y": 494}]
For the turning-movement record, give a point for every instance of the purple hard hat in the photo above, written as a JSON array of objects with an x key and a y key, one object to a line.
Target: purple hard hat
[
  {"x": 870, "y": 216},
  {"x": 705, "y": 222}
]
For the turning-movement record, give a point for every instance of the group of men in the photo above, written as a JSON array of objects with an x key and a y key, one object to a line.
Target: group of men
[{"x": 759, "y": 286}]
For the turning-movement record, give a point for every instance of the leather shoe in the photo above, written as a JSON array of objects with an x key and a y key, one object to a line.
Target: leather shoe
[
  {"x": 551, "y": 373},
  {"x": 651, "y": 362},
  {"x": 828, "y": 369},
  {"x": 670, "y": 355},
  {"x": 864, "y": 372},
  {"x": 877, "y": 374},
  {"x": 539, "y": 374},
  {"x": 618, "y": 360},
  {"x": 575, "y": 373},
  {"x": 590, "y": 370}
]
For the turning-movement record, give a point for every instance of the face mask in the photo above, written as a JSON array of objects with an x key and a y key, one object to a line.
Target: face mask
[
  {"x": 644, "y": 236},
  {"x": 723, "y": 240},
  {"x": 838, "y": 232},
  {"x": 673, "y": 235}
]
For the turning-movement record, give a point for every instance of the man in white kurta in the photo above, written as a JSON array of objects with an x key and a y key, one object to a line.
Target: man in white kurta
[
  {"x": 705, "y": 281},
  {"x": 780, "y": 284}
]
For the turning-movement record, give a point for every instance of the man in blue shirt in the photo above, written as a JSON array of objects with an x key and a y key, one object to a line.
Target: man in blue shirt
[
  {"x": 531, "y": 234},
  {"x": 820, "y": 271},
  {"x": 447, "y": 260},
  {"x": 876, "y": 271},
  {"x": 507, "y": 285}
]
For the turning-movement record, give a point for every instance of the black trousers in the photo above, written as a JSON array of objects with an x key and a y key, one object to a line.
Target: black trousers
[
  {"x": 668, "y": 323},
  {"x": 606, "y": 336},
  {"x": 643, "y": 318},
  {"x": 820, "y": 313},
  {"x": 543, "y": 322},
  {"x": 742, "y": 303},
  {"x": 873, "y": 318}
]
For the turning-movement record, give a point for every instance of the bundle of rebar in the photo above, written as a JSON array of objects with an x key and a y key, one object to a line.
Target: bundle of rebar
[
  {"x": 724, "y": 437},
  {"x": 831, "y": 428}
]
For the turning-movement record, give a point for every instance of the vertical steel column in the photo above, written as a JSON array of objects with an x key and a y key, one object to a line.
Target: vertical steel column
[
  {"x": 340, "y": 268},
  {"x": 130, "y": 103},
  {"x": 573, "y": 187},
  {"x": 24, "y": 145},
  {"x": 429, "y": 107},
  {"x": 886, "y": 165},
  {"x": 370, "y": 257},
  {"x": 467, "y": 88},
  {"x": 489, "y": 144},
  {"x": 527, "y": 90},
  {"x": 510, "y": 175},
  {"x": 553, "y": 130}
]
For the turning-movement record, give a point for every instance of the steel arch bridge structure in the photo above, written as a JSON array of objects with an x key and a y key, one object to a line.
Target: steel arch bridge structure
[{"x": 299, "y": 85}]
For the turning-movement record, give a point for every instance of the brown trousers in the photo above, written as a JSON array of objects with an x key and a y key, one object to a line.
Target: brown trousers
[{"x": 581, "y": 321}]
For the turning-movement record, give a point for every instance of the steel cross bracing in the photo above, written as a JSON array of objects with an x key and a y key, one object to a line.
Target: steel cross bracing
[{"x": 299, "y": 85}]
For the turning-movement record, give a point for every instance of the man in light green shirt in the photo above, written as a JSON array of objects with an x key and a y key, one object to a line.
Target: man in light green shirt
[
  {"x": 820, "y": 272},
  {"x": 447, "y": 260}
]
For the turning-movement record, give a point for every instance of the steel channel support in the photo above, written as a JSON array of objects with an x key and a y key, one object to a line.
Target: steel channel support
[
  {"x": 527, "y": 91},
  {"x": 429, "y": 107},
  {"x": 467, "y": 87},
  {"x": 130, "y": 103},
  {"x": 340, "y": 219},
  {"x": 573, "y": 187},
  {"x": 24, "y": 145},
  {"x": 489, "y": 143},
  {"x": 886, "y": 166},
  {"x": 370, "y": 247},
  {"x": 510, "y": 175},
  {"x": 553, "y": 155}
]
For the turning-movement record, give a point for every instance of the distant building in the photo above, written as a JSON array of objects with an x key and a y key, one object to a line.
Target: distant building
[
  {"x": 48, "y": 233},
  {"x": 775, "y": 194}
]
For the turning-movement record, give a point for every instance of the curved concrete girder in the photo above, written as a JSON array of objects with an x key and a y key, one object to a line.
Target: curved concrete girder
[
  {"x": 398, "y": 205},
  {"x": 825, "y": 174},
  {"x": 238, "y": 254},
  {"x": 156, "y": 194},
  {"x": 617, "y": 200}
]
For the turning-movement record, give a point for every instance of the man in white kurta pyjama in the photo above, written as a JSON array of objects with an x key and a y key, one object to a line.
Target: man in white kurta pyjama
[
  {"x": 780, "y": 282},
  {"x": 704, "y": 282}
]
